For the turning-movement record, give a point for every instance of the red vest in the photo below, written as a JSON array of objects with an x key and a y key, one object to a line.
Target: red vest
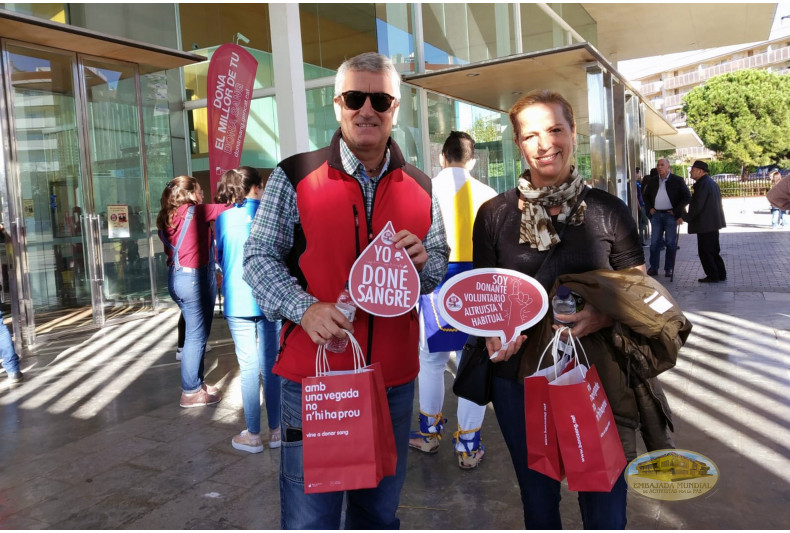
[{"x": 333, "y": 232}]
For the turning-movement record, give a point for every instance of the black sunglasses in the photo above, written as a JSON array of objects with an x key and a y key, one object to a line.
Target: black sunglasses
[{"x": 380, "y": 102}]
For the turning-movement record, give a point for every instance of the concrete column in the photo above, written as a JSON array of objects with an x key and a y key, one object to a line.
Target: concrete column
[{"x": 289, "y": 86}]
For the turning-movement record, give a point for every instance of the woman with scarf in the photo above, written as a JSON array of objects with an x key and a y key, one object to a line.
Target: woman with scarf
[{"x": 516, "y": 230}]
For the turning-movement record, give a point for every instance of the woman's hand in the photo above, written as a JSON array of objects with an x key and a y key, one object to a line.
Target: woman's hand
[
  {"x": 499, "y": 353},
  {"x": 587, "y": 321}
]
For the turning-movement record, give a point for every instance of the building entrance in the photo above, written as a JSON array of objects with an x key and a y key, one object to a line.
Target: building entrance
[{"x": 76, "y": 212}]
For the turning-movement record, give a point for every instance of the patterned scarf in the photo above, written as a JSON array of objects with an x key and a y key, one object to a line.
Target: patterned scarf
[{"x": 536, "y": 226}]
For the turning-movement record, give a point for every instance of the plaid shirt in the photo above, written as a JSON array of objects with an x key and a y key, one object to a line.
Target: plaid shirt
[{"x": 272, "y": 236}]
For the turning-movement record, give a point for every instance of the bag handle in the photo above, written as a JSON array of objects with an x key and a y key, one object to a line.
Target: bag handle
[
  {"x": 322, "y": 360},
  {"x": 555, "y": 343}
]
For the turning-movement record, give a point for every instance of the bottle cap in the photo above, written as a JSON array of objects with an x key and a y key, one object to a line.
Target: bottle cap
[{"x": 563, "y": 292}]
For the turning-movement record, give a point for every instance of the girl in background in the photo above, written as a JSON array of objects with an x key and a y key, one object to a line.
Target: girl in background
[
  {"x": 184, "y": 228},
  {"x": 256, "y": 338}
]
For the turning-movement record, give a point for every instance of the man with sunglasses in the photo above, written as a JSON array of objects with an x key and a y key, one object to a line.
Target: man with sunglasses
[{"x": 319, "y": 211}]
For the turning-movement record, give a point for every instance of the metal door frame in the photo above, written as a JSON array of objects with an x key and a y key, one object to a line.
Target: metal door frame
[{"x": 12, "y": 209}]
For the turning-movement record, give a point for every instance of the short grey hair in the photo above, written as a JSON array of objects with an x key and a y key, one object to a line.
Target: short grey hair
[{"x": 368, "y": 62}]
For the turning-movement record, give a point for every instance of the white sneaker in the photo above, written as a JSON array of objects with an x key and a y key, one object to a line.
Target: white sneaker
[
  {"x": 275, "y": 438},
  {"x": 178, "y": 353},
  {"x": 247, "y": 442}
]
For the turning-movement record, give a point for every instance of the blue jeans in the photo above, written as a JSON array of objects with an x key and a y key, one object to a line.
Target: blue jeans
[
  {"x": 9, "y": 357},
  {"x": 777, "y": 217},
  {"x": 257, "y": 342},
  {"x": 195, "y": 292},
  {"x": 540, "y": 494},
  {"x": 661, "y": 223},
  {"x": 367, "y": 508}
]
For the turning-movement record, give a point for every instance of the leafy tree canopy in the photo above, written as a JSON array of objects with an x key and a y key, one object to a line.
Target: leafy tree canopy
[
  {"x": 485, "y": 131},
  {"x": 744, "y": 116}
]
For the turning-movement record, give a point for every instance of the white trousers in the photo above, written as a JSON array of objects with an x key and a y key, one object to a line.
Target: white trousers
[{"x": 431, "y": 386}]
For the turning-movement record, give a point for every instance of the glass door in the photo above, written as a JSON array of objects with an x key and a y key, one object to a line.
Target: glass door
[
  {"x": 51, "y": 242},
  {"x": 78, "y": 190},
  {"x": 117, "y": 183}
]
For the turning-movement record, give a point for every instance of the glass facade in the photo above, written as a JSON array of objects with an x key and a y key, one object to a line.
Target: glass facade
[
  {"x": 55, "y": 12},
  {"x": 459, "y": 34},
  {"x": 44, "y": 100},
  {"x": 333, "y": 32},
  {"x": 395, "y": 34},
  {"x": 134, "y": 139}
]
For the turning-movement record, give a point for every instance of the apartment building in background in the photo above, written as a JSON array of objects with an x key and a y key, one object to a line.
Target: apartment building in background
[{"x": 666, "y": 88}]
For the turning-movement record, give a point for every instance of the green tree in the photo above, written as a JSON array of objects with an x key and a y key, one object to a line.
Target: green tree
[
  {"x": 743, "y": 116},
  {"x": 485, "y": 131}
]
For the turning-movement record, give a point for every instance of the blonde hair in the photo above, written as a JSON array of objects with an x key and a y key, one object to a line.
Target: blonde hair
[{"x": 178, "y": 191}]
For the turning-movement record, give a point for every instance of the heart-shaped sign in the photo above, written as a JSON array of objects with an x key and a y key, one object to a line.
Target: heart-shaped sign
[
  {"x": 493, "y": 302},
  {"x": 383, "y": 280}
]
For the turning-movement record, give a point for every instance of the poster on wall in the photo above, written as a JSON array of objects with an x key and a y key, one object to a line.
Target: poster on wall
[
  {"x": 28, "y": 208},
  {"x": 118, "y": 221},
  {"x": 230, "y": 81}
]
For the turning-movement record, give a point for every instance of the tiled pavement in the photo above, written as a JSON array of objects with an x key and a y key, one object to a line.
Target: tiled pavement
[{"x": 94, "y": 439}]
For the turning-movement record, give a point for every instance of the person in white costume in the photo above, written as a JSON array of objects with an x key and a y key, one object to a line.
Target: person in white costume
[{"x": 459, "y": 196}]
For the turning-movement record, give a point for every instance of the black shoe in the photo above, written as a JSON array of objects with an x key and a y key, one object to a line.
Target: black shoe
[
  {"x": 16, "y": 377},
  {"x": 652, "y": 272},
  {"x": 668, "y": 273},
  {"x": 708, "y": 280}
]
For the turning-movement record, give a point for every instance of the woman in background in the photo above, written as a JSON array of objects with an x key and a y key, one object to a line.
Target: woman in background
[
  {"x": 256, "y": 339},
  {"x": 184, "y": 228}
]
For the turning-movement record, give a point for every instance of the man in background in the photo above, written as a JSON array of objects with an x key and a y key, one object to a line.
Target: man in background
[
  {"x": 666, "y": 199},
  {"x": 706, "y": 218},
  {"x": 459, "y": 196}
]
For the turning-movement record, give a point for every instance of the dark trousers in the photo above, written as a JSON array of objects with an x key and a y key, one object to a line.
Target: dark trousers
[{"x": 709, "y": 255}]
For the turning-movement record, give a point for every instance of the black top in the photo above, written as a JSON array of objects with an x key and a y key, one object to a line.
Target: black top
[
  {"x": 606, "y": 240},
  {"x": 706, "y": 213},
  {"x": 677, "y": 191}
]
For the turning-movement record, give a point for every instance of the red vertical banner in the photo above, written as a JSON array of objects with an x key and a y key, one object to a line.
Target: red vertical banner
[{"x": 231, "y": 77}]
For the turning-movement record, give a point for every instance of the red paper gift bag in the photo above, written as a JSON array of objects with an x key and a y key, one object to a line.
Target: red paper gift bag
[
  {"x": 385, "y": 444},
  {"x": 543, "y": 452},
  {"x": 589, "y": 443},
  {"x": 343, "y": 412}
]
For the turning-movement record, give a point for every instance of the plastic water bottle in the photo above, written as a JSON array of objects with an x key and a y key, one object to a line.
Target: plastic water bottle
[
  {"x": 563, "y": 303},
  {"x": 346, "y": 306}
]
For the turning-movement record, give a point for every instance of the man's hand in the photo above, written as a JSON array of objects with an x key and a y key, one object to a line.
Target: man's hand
[
  {"x": 413, "y": 246},
  {"x": 587, "y": 321},
  {"x": 322, "y": 321},
  {"x": 680, "y": 221},
  {"x": 499, "y": 353}
]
